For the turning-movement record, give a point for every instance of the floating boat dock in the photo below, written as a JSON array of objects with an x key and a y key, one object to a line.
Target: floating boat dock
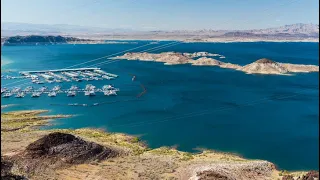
[
  {"x": 59, "y": 70},
  {"x": 90, "y": 90},
  {"x": 67, "y": 75}
]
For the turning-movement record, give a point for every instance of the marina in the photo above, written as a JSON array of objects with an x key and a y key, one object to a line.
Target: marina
[
  {"x": 89, "y": 90},
  {"x": 63, "y": 75}
]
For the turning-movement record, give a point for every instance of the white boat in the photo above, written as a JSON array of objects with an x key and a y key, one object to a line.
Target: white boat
[
  {"x": 110, "y": 93},
  {"x": 86, "y": 93},
  {"x": 89, "y": 93},
  {"x": 92, "y": 93},
  {"x": 39, "y": 82},
  {"x": 29, "y": 88},
  {"x": 71, "y": 93},
  {"x": 3, "y": 90},
  {"x": 20, "y": 95},
  {"x": 73, "y": 88},
  {"x": 43, "y": 88},
  {"x": 56, "y": 88},
  {"x": 6, "y": 95},
  {"x": 16, "y": 89},
  {"x": 52, "y": 94},
  {"x": 107, "y": 87},
  {"x": 90, "y": 87},
  {"x": 36, "y": 94}
]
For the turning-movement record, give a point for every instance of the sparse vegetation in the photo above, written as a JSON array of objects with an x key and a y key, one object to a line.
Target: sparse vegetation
[{"x": 135, "y": 140}]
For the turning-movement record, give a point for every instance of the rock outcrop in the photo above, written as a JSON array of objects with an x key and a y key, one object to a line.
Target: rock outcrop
[
  {"x": 199, "y": 54},
  {"x": 58, "y": 150},
  {"x": 167, "y": 57},
  {"x": 264, "y": 66},
  {"x": 204, "y": 61},
  {"x": 6, "y": 174},
  {"x": 287, "y": 177},
  {"x": 300, "y": 68},
  {"x": 267, "y": 66},
  {"x": 235, "y": 171},
  {"x": 312, "y": 175}
]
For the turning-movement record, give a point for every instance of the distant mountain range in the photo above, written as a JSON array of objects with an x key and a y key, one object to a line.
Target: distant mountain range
[
  {"x": 300, "y": 28},
  {"x": 12, "y": 29},
  {"x": 293, "y": 32}
]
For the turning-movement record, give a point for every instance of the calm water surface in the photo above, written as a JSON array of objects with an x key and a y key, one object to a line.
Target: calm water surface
[{"x": 257, "y": 116}]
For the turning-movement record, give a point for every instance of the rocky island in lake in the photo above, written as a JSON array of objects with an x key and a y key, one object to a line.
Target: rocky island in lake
[{"x": 261, "y": 66}]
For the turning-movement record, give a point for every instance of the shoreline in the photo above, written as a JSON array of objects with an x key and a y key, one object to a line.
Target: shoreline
[
  {"x": 187, "y": 164},
  {"x": 119, "y": 41},
  {"x": 185, "y": 40}
]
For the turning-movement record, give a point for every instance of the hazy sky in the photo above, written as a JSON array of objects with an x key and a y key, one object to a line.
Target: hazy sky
[{"x": 162, "y": 14}]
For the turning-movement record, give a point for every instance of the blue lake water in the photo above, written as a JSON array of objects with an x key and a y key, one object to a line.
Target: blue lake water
[{"x": 268, "y": 117}]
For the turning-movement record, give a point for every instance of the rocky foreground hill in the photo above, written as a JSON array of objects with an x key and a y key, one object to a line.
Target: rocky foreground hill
[
  {"x": 30, "y": 153},
  {"x": 261, "y": 66}
]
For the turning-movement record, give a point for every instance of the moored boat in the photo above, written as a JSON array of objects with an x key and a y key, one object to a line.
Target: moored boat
[
  {"x": 20, "y": 95},
  {"x": 71, "y": 93},
  {"x": 36, "y": 94},
  {"x": 52, "y": 94},
  {"x": 110, "y": 93},
  {"x": 6, "y": 95}
]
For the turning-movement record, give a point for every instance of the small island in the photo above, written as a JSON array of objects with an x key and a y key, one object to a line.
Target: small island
[{"x": 261, "y": 66}]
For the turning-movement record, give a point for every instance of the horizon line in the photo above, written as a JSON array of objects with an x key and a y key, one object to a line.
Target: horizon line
[{"x": 146, "y": 29}]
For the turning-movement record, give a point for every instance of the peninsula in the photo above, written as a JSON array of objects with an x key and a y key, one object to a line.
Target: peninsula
[
  {"x": 43, "y": 40},
  {"x": 27, "y": 152},
  {"x": 261, "y": 66}
]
